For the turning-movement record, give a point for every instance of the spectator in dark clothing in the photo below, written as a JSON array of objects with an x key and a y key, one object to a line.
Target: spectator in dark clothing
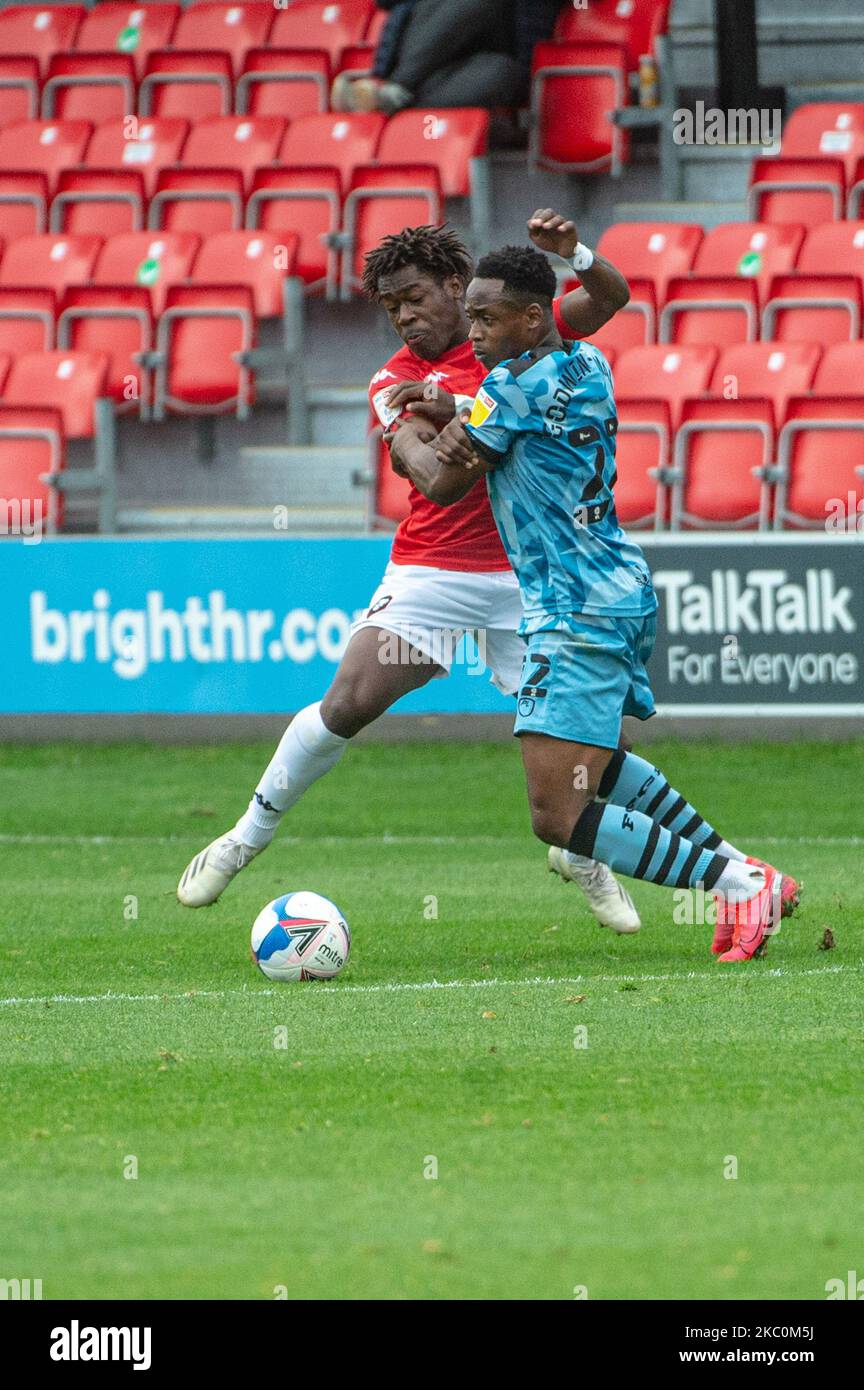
[{"x": 451, "y": 53}]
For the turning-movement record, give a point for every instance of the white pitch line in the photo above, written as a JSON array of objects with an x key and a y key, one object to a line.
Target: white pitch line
[
  {"x": 845, "y": 841},
  {"x": 400, "y": 987}
]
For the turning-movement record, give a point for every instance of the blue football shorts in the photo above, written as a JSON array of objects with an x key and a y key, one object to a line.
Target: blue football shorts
[{"x": 579, "y": 679}]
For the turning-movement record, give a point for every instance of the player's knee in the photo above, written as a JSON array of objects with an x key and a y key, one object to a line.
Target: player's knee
[
  {"x": 553, "y": 821},
  {"x": 346, "y": 708},
  {"x": 549, "y": 823}
]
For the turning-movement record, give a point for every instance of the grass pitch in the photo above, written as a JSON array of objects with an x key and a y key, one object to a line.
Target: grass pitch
[{"x": 137, "y": 1036}]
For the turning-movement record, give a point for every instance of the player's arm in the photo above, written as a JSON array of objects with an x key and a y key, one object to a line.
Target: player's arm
[
  {"x": 444, "y": 468},
  {"x": 603, "y": 289}
]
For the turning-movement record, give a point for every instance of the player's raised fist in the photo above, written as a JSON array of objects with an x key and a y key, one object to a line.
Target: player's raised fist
[{"x": 549, "y": 231}]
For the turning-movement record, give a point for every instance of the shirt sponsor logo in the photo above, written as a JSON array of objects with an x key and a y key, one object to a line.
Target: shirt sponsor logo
[{"x": 384, "y": 412}]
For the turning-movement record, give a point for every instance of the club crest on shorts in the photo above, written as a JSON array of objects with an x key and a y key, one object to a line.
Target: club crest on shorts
[
  {"x": 525, "y": 706},
  {"x": 379, "y": 604}
]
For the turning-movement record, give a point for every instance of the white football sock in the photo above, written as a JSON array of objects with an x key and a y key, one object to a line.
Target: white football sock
[
  {"x": 306, "y": 751},
  {"x": 729, "y": 851},
  {"x": 738, "y": 882}
]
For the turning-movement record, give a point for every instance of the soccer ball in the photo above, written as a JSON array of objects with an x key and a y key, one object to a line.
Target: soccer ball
[{"x": 300, "y": 936}]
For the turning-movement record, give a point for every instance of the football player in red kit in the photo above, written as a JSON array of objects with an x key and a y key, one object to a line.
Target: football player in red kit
[{"x": 448, "y": 572}]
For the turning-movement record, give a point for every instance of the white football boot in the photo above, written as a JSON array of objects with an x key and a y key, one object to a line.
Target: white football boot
[
  {"x": 611, "y": 904},
  {"x": 212, "y": 870}
]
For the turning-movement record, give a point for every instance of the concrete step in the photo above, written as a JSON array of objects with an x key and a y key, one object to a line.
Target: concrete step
[
  {"x": 312, "y": 475},
  {"x": 707, "y": 213},
  {"x": 338, "y": 414},
  {"x": 261, "y": 521}
]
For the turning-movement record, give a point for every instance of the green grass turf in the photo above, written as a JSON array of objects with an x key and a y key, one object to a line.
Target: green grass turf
[{"x": 303, "y": 1167}]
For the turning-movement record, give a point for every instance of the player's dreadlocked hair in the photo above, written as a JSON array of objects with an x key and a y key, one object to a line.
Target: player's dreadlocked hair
[
  {"x": 526, "y": 273},
  {"x": 437, "y": 251}
]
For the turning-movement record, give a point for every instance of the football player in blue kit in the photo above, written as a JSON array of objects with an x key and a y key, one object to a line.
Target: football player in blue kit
[{"x": 543, "y": 430}]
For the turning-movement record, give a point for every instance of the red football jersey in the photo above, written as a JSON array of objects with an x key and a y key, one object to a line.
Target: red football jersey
[{"x": 463, "y": 536}]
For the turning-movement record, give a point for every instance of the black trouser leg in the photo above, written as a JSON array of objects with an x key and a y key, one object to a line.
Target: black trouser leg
[{"x": 441, "y": 31}]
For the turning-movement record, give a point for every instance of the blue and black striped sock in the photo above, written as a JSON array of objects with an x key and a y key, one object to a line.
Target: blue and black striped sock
[
  {"x": 631, "y": 782},
  {"x": 632, "y": 843}
]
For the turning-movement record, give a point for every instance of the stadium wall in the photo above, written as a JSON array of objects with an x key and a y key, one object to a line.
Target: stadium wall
[{"x": 178, "y": 639}]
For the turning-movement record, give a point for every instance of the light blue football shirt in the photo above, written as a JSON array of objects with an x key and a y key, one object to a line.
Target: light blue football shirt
[{"x": 547, "y": 422}]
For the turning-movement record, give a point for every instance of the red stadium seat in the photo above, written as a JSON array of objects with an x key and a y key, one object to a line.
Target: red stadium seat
[
  {"x": 286, "y": 82},
  {"x": 802, "y": 191},
  {"x": 755, "y": 250},
  {"x": 231, "y": 28},
  {"x": 358, "y": 60},
  {"x": 31, "y": 444},
  {"x": 113, "y": 27},
  {"x": 664, "y": 373},
  {"x": 149, "y": 260},
  {"x": 117, "y": 321},
  {"x": 88, "y": 86},
  {"x": 831, "y": 129},
  {"x": 718, "y": 446},
  {"x": 47, "y": 147},
  {"x": 199, "y": 337},
  {"x": 633, "y": 326},
  {"x": 19, "y": 89},
  {"x": 821, "y": 464},
  {"x": 26, "y": 320},
  {"x": 642, "y": 453},
  {"x": 834, "y": 246},
  {"x": 389, "y": 499},
  {"x": 454, "y": 140},
  {"x": 245, "y": 143},
  {"x": 49, "y": 262},
  {"x": 258, "y": 260},
  {"x": 855, "y": 195},
  {"x": 813, "y": 308},
  {"x": 451, "y": 139},
  {"x": 5, "y": 364},
  {"x": 384, "y": 199},
  {"x": 333, "y": 140},
  {"x": 574, "y": 87},
  {"x": 219, "y": 160},
  {"x": 205, "y": 201},
  {"x": 191, "y": 85},
  {"x": 841, "y": 371},
  {"x": 142, "y": 145},
  {"x": 376, "y": 27},
  {"x": 634, "y": 24},
  {"x": 770, "y": 371},
  {"x": 39, "y": 30},
  {"x": 70, "y": 382},
  {"x": 306, "y": 203},
  {"x": 654, "y": 251},
  {"x": 23, "y": 205},
  {"x": 100, "y": 202},
  {"x": 710, "y": 309},
  {"x": 331, "y": 27}
]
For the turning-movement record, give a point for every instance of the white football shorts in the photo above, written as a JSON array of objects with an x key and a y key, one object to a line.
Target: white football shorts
[{"x": 451, "y": 617}]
